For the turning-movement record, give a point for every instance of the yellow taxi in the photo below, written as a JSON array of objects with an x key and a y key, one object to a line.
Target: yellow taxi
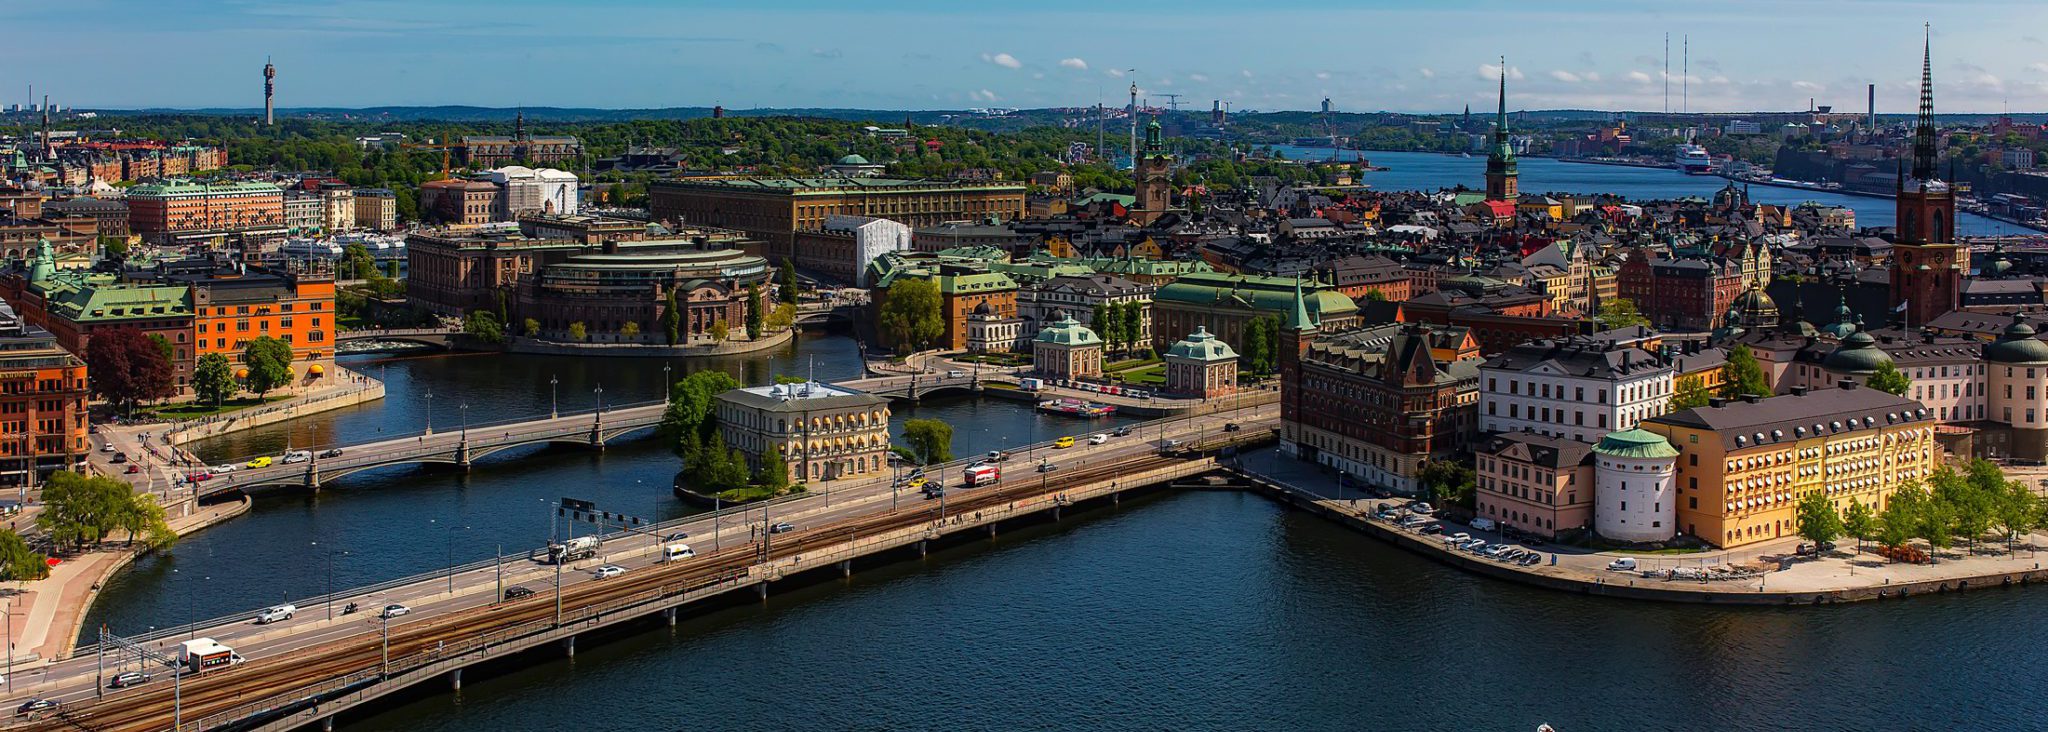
[
  {"x": 262, "y": 462},
  {"x": 1063, "y": 442},
  {"x": 915, "y": 483}
]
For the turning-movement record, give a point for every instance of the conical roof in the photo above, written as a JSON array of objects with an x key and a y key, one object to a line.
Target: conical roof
[{"x": 1635, "y": 443}]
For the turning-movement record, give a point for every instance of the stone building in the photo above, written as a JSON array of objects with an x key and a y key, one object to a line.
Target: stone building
[
  {"x": 1067, "y": 350},
  {"x": 824, "y": 432},
  {"x": 1201, "y": 366},
  {"x": 773, "y": 210}
]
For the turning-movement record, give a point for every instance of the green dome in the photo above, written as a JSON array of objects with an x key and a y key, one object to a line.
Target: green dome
[
  {"x": 1202, "y": 345},
  {"x": 1635, "y": 443},
  {"x": 854, "y": 160},
  {"x": 1858, "y": 354},
  {"x": 1845, "y": 322},
  {"x": 2018, "y": 344},
  {"x": 1070, "y": 332}
]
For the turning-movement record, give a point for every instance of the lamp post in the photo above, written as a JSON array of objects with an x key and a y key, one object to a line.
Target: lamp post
[
  {"x": 665, "y": 383},
  {"x": 330, "y": 579},
  {"x": 430, "y": 410},
  {"x": 553, "y": 410},
  {"x": 463, "y": 409},
  {"x": 599, "y": 391},
  {"x": 451, "y": 551}
]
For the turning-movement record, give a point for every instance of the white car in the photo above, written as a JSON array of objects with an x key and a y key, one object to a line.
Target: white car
[
  {"x": 608, "y": 571},
  {"x": 225, "y": 468},
  {"x": 298, "y": 456},
  {"x": 1458, "y": 538},
  {"x": 1098, "y": 438},
  {"x": 276, "y": 613},
  {"x": 394, "y": 610}
]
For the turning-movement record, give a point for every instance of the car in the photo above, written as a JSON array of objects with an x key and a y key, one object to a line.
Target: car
[
  {"x": 1624, "y": 564},
  {"x": 1484, "y": 524},
  {"x": 394, "y": 610},
  {"x": 199, "y": 477},
  {"x": 1421, "y": 507},
  {"x": 1458, "y": 538},
  {"x": 1098, "y": 438},
  {"x": 1122, "y": 431},
  {"x": 133, "y": 469},
  {"x": 262, "y": 462},
  {"x": 1047, "y": 466},
  {"x": 1498, "y": 550},
  {"x": 608, "y": 571},
  {"x": 36, "y": 705},
  {"x": 1531, "y": 558},
  {"x": 1232, "y": 427},
  {"x": 1064, "y": 442},
  {"x": 127, "y": 679},
  {"x": 225, "y": 468},
  {"x": 1512, "y": 554},
  {"x": 781, "y": 527},
  {"x": 518, "y": 593},
  {"x": 916, "y": 483},
  {"x": 1433, "y": 529},
  {"x": 276, "y": 613},
  {"x": 1475, "y": 546},
  {"x": 334, "y": 453},
  {"x": 997, "y": 456},
  {"x": 119, "y": 457},
  {"x": 108, "y": 447},
  {"x": 298, "y": 456},
  {"x": 934, "y": 491},
  {"x": 678, "y": 536}
]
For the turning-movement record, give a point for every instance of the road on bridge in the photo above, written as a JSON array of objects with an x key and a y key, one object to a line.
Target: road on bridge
[{"x": 437, "y": 600}]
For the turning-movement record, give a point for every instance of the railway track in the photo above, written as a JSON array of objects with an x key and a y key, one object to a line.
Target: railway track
[{"x": 284, "y": 681}]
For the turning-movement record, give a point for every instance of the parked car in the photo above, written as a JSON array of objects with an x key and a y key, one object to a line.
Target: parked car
[
  {"x": 1475, "y": 546},
  {"x": 108, "y": 447},
  {"x": 1432, "y": 529},
  {"x": 133, "y": 469},
  {"x": 608, "y": 571},
  {"x": 262, "y": 462},
  {"x": 1532, "y": 558},
  {"x": 517, "y": 593},
  {"x": 781, "y": 527},
  {"x": 1098, "y": 438},
  {"x": 394, "y": 610},
  {"x": 334, "y": 453},
  {"x": 1624, "y": 564},
  {"x": 128, "y": 679},
  {"x": 1421, "y": 507},
  {"x": 1458, "y": 538},
  {"x": 36, "y": 705},
  {"x": 1484, "y": 524}
]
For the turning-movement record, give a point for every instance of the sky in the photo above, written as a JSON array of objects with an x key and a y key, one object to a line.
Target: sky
[{"x": 1365, "y": 55}]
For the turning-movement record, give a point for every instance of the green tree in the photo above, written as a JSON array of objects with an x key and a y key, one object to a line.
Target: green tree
[
  {"x": 1450, "y": 482},
  {"x": 391, "y": 268},
  {"x": 672, "y": 319},
  {"x": 1899, "y": 521},
  {"x": 909, "y": 316},
  {"x": 1890, "y": 380},
  {"x": 630, "y": 330},
  {"x": 719, "y": 331},
  {"x": 484, "y": 326},
  {"x": 1743, "y": 375},
  {"x": 1619, "y": 312},
  {"x": 754, "y": 314},
  {"x": 213, "y": 381},
  {"x": 577, "y": 331},
  {"x": 718, "y": 467},
  {"x": 1817, "y": 519},
  {"x": 1260, "y": 345},
  {"x": 1859, "y": 522},
  {"x": 113, "y": 247},
  {"x": 787, "y": 285},
  {"x": 1374, "y": 295},
  {"x": 1691, "y": 395},
  {"x": 269, "y": 361},
  {"x": 690, "y": 414},
  {"x": 1133, "y": 316},
  {"x": 780, "y": 317},
  {"x": 532, "y": 328},
  {"x": 930, "y": 439},
  {"x": 774, "y": 470},
  {"x": 79, "y": 511},
  {"x": 2019, "y": 511},
  {"x": 1107, "y": 325},
  {"x": 163, "y": 346},
  {"x": 358, "y": 264},
  {"x": 18, "y": 561}
]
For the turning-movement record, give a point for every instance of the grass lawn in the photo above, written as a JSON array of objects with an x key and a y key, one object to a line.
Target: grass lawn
[
  {"x": 1128, "y": 364},
  {"x": 755, "y": 493},
  {"x": 194, "y": 410},
  {"x": 1154, "y": 375},
  {"x": 996, "y": 359}
]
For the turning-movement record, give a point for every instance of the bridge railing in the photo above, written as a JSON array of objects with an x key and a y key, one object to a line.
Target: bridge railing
[{"x": 478, "y": 426}]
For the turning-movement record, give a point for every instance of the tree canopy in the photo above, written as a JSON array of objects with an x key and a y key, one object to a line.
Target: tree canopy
[
  {"x": 270, "y": 364},
  {"x": 80, "y": 511},
  {"x": 1743, "y": 375},
  {"x": 909, "y": 317},
  {"x": 126, "y": 367},
  {"x": 213, "y": 381},
  {"x": 929, "y": 439}
]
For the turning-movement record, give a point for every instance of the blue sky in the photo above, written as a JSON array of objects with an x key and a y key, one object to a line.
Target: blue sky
[{"x": 924, "y": 54}]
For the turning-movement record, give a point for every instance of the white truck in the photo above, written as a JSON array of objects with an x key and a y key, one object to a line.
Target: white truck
[
  {"x": 581, "y": 547},
  {"x": 202, "y": 654}
]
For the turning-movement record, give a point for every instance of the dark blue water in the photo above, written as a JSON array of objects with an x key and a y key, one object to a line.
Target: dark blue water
[
  {"x": 1222, "y": 611},
  {"x": 1409, "y": 171}
]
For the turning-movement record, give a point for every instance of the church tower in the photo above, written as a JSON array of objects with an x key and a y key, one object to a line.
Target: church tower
[
  {"x": 1500, "y": 162},
  {"x": 1927, "y": 265},
  {"x": 1154, "y": 170},
  {"x": 1295, "y": 333}
]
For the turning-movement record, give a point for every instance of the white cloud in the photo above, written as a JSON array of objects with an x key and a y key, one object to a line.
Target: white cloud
[
  {"x": 1565, "y": 76},
  {"x": 1118, "y": 73},
  {"x": 1198, "y": 78},
  {"x": 1803, "y": 85},
  {"x": 1038, "y": 75},
  {"x": 2040, "y": 66},
  {"x": 1323, "y": 75},
  {"x": 1426, "y": 72},
  {"x": 1591, "y": 76},
  {"x": 1004, "y": 60},
  {"x": 1490, "y": 71},
  {"x": 1639, "y": 77},
  {"x": 1247, "y": 73},
  {"x": 1074, "y": 63},
  {"x": 982, "y": 95}
]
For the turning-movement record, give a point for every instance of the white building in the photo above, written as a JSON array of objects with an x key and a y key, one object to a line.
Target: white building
[
  {"x": 1635, "y": 497},
  {"x": 1077, "y": 296},
  {"x": 872, "y": 237},
  {"x": 534, "y": 190},
  {"x": 1574, "y": 388}
]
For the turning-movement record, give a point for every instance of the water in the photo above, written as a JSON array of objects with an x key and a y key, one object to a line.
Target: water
[
  {"x": 397, "y": 521},
  {"x": 1411, "y": 171},
  {"x": 1205, "y": 611}
]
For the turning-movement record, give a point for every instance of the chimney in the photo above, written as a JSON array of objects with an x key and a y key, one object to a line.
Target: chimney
[
  {"x": 1717, "y": 402},
  {"x": 1752, "y": 398},
  {"x": 1848, "y": 384},
  {"x": 1799, "y": 391}
]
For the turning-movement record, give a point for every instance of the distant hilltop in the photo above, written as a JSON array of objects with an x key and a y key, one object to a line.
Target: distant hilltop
[{"x": 464, "y": 113}]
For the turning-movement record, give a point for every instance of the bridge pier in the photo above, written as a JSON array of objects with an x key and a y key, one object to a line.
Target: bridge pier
[
  {"x": 597, "y": 437},
  {"x": 762, "y": 590},
  {"x": 313, "y": 476},
  {"x": 991, "y": 530},
  {"x": 462, "y": 455},
  {"x": 921, "y": 548},
  {"x": 569, "y": 646},
  {"x": 455, "y": 680},
  {"x": 846, "y": 568},
  {"x": 327, "y": 725},
  {"x": 670, "y": 614}
]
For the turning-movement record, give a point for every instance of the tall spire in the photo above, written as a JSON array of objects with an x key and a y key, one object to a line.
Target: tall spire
[
  {"x": 1923, "y": 136},
  {"x": 1298, "y": 318},
  {"x": 1500, "y": 161},
  {"x": 1500, "y": 120}
]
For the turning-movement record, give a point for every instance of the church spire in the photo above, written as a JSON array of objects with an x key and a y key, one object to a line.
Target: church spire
[
  {"x": 1923, "y": 136},
  {"x": 1500, "y": 120},
  {"x": 1500, "y": 161}
]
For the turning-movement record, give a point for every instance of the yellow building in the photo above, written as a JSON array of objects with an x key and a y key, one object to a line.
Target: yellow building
[{"x": 1743, "y": 466}]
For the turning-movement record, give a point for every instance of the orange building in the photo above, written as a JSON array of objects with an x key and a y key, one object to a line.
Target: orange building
[
  {"x": 232, "y": 305},
  {"x": 179, "y": 212},
  {"x": 42, "y": 401}
]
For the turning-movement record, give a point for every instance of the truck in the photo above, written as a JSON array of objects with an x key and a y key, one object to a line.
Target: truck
[
  {"x": 201, "y": 654},
  {"x": 980, "y": 475},
  {"x": 1030, "y": 384},
  {"x": 581, "y": 547}
]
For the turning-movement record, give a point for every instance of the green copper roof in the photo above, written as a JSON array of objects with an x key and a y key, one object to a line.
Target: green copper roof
[
  {"x": 1858, "y": 354},
  {"x": 1297, "y": 317},
  {"x": 1635, "y": 443},
  {"x": 1068, "y": 331},
  {"x": 1202, "y": 345},
  {"x": 1274, "y": 295},
  {"x": 2018, "y": 344}
]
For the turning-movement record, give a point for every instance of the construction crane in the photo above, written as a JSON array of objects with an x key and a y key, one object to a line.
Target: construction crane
[
  {"x": 1172, "y": 101},
  {"x": 431, "y": 145}
]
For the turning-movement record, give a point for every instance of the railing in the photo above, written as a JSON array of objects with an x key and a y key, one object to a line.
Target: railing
[
  {"x": 362, "y": 383},
  {"x": 482, "y": 426}
]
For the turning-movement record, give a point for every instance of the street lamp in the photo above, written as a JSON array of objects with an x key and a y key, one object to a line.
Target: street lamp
[
  {"x": 451, "y": 552},
  {"x": 430, "y": 410},
  {"x": 464, "y": 411},
  {"x": 330, "y": 579},
  {"x": 600, "y": 397},
  {"x": 665, "y": 383},
  {"x": 553, "y": 410}
]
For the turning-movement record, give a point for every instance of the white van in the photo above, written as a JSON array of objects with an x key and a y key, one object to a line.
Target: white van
[
  {"x": 1483, "y": 524},
  {"x": 1624, "y": 564},
  {"x": 276, "y": 613},
  {"x": 674, "y": 552}
]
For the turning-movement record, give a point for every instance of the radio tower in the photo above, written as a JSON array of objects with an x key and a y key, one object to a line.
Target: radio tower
[{"x": 269, "y": 88}]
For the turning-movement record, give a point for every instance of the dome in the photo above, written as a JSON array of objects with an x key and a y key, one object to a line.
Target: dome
[
  {"x": 1202, "y": 345},
  {"x": 1858, "y": 354},
  {"x": 984, "y": 309},
  {"x": 2018, "y": 344},
  {"x": 1755, "y": 309},
  {"x": 1731, "y": 326},
  {"x": 854, "y": 160},
  {"x": 1845, "y": 322},
  {"x": 1636, "y": 443},
  {"x": 1068, "y": 332}
]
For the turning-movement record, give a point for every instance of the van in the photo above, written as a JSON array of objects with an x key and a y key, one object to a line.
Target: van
[
  {"x": 956, "y": 374},
  {"x": 674, "y": 552},
  {"x": 276, "y": 613},
  {"x": 1483, "y": 524},
  {"x": 1624, "y": 564}
]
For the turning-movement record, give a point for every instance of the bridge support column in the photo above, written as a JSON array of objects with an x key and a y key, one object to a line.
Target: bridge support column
[
  {"x": 1055, "y": 514},
  {"x": 569, "y": 646},
  {"x": 762, "y": 590},
  {"x": 462, "y": 455},
  {"x": 991, "y": 530},
  {"x": 670, "y": 614},
  {"x": 921, "y": 548},
  {"x": 455, "y": 680},
  {"x": 327, "y": 725},
  {"x": 846, "y": 568},
  {"x": 597, "y": 437},
  {"x": 313, "y": 476}
]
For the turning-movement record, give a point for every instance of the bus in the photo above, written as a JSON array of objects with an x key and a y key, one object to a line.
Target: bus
[{"x": 981, "y": 475}]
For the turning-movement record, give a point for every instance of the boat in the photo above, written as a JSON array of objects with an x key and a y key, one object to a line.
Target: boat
[
  {"x": 1692, "y": 158},
  {"x": 1076, "y": 407}
]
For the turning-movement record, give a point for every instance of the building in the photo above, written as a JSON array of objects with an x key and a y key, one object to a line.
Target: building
[
  {"x": 1153, "y": 171},
  {"x": 1223, "y": 303},
  {"x": 303, "y": 213},
  {"x": 181, "y": 212},
  {"x": 73, "y": 306},
  {"x": 824, "y": 432},
  {"x": 232, "y": 304},
  {"x": 376, "y": 209},
  {"x": 1501, "y": 173},
  {"x": 991, "y": 332},
  {"x": 1040, "y": 302},
  {"x": 1927, "y": 265},
  {"x": 964, "y": 281},
  {"x": 1575, "y": 388},
  {"x": 772, "y": 210},
  {"x": 43, "y": 396},
  {"x": 1535, "y": 483},
  {"x": 1680, "y": 293},
  {"x": 1634, "y": 487},
  {"x": 1361, "y": 275},
  {"x": 855, "y": 166},
  {"x": 957, "y": 234},
  {"x": 1743, "y": 466},
  {"x": 112, "y": 215},
  {"x": 1066, "y": 350},
  {"x": 846, "y": 245},
  {"x": 337, "y": 208},
  {"x": 1201, "y": 366},
  {"x": 523, "y": 190},
  {"x": 490, "y": 151},
  {"x": 460, "y": 201}
]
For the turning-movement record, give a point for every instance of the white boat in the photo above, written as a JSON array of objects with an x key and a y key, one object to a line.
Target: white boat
[{"x": 1692, "y": 158}]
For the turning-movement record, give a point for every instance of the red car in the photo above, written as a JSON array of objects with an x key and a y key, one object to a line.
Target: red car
[
  {"x": 198, "y": 477},
  {"x": 133, "y": 469}
]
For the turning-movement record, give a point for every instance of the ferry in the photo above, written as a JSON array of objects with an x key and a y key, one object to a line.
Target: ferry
[
  {"x": 1692, "y": 159},
  {"x": 1076, "y": 408}
]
